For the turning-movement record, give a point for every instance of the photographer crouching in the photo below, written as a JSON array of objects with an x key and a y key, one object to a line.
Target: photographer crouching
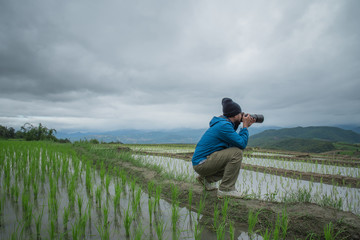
[{"x": 219, "y": 152}]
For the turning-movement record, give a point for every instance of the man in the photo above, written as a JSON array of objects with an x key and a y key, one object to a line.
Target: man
[{"x": 218, "y": 154}]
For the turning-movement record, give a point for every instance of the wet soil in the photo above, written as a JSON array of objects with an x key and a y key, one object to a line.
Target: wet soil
[{"x": 304, "y": 219}]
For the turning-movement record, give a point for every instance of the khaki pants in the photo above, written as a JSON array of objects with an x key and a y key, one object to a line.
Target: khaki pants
[{"x": 225, "y": 165}]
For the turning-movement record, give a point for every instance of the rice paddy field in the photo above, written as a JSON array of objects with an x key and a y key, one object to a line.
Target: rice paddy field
[{"x": 133, "y": 191}]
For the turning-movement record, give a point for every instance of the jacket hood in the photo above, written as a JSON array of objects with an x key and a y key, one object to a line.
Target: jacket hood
[{"x": 216, "y": 120}]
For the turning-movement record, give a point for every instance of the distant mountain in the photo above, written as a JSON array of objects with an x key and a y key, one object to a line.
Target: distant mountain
[
  {"x": 354, "y": 128},
  {"x": 259, "y": 135},
  {"x": 258, "y": 128},
  {"x": 332, "y": 134},
  {"x": 298, "y": 145},
  {"x": 182, "y": 135},
  {"x": 307, "y": 139},
  {"x": 139, "y": 136}
]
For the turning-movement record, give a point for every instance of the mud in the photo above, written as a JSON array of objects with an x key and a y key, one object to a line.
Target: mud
[{"x": 305, "y": 220}]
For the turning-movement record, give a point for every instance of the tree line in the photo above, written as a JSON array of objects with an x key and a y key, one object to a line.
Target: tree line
[{"x": 30, "y": 132}]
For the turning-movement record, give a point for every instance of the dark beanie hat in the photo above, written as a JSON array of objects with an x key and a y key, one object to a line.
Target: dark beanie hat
[{"x": 230, "y": 108}]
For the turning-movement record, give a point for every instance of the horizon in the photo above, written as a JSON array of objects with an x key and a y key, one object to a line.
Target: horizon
[{"x": 257, "y": 126}]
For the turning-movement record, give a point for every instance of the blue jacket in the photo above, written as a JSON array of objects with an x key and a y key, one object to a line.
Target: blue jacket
[{"x": 219, "y": 136}]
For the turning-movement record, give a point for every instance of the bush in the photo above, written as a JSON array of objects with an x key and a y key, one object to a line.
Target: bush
[{"x": 94, "y": 141}]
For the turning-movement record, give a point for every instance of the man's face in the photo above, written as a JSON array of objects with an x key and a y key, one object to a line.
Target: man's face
[{"x": 238, "y": 119}]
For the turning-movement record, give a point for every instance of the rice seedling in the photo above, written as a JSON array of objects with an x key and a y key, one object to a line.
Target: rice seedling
[
  {"x": 139, "y": 232},
  {"x": 88, "y": 181},
  {"x": 123, "y": 177},
  {"x": 98, "y": 193},
  {"x": 105, "y": 216},
  {"x": 200, "y": 207},
  {"x": 116, "y": 201},
  {"x": 231, "y": 231},
  {"x": 151, "y": 205},
  {"x": 175, "y": 215},
  {"x": 252, "y": 220},
  {"x": 216, "y": 215},
  {"x": 160, "y": 227},
  {"x": 328, "y": 200},
  {"x": 107, "y": 182},
  {"x": 174, "y": 194},
  {"x": 276, "y": 233},
  {"x": 27, "y": 209},
  {"x": 220, "y": 231},
  {"x": 38, "y": 223},
  {"x": 13, "y": 190},
  {"x": 81, "y": 225},
  {"x": 118, "y": 190},
  {"x": 66, "y": 216},
  {"x": 312, "y": 236},
  {"x": 103, "y": 232},
  {"x": 127, "y": 221},
  {"x": 266, "y": 235},
  {"x": 89, "y": 206},
  {"x": 2, "y": 203},
  {"x": 198, "y": 230},
  {"x": 190, "y": 197},
  {"x": 150, "y": 188},
  {"x": 136, "y": 203},
  {"x": 102, "y": 172},
  {"x": 71, "y": 191},
  {"x": 53, "y": 206},
  {"x": 35, "y": 190},
  {"x": 52, "y": 231},
  {"x": 80, "y": 203},
  {"x": 329, "y": 232},
  {"x": 25, "y": 201},
  {"x": 132, "y": 186},
  {"x": 284, "y": 223},
  {"x": 75, "y": 233},
  {"x": 157, "y": 195},
  {"x": 225, "y": 209}
]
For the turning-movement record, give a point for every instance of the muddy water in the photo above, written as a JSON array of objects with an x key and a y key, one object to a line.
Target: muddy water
[
  {"x": 13, "y": 223},
  {"x": 266, "y": 186}
]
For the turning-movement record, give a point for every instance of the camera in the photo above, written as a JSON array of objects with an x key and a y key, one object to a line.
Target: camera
[{"x": 259, "y": 118}]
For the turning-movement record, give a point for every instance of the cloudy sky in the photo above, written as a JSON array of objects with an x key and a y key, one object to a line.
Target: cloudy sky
[{"x": 115, "y": 64}]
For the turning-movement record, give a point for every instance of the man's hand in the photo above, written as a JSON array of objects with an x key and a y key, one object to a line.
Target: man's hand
[{"x": 248, "y": 120}]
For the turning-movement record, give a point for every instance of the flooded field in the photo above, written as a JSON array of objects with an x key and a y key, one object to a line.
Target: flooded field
[
  {"x": 87, "y": 191},
  {"x": 48, "y": 192}
]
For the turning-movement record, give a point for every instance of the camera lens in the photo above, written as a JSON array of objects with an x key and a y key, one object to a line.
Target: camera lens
[{"x": 258, "y": 117}]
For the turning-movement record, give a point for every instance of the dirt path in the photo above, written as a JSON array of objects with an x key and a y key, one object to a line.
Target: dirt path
[{"x": 303, "y": 219}]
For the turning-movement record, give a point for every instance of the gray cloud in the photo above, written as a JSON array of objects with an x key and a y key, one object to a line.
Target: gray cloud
[{"x": 118, "y": 64}]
